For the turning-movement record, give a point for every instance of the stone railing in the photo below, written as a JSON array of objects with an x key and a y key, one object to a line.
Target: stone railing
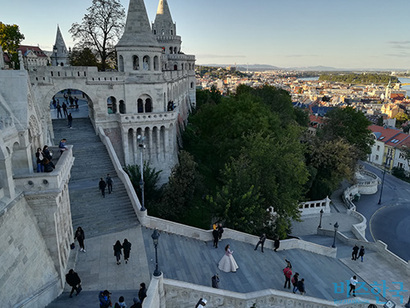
[
  {"x": 149, "y": 117},
  {"x": 184, "y": 294},
  {"x": 48, "y": 181},
  {"x": 312, "y": 207}
]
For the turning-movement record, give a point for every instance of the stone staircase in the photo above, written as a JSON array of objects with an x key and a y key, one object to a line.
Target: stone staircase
[{"x": 95, "y": 214}]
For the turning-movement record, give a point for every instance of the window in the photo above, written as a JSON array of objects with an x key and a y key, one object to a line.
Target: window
[
  {"x": 135, "y": 63},
  {"x": 378, "y": 148},
  {"x": 377, "y": 157},
  {"x": 145, "y": 63}
]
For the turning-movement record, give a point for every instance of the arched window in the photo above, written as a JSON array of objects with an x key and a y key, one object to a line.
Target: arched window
[
  {"x": 172, "y": 32},
  {"x": 192, "y": 85},
  {"x": 155, "y": 32},
  {"x": 170, "y": 50},
  {"x": 175, "y": 67},
  {"x": 122, "y": 107},
  {"x": 121, "y": 63},
  {"x": 156, "y": 64},
  {"x": 145, "y": 63},
  {"x": 140, "y": 106},
  {"x": 175, "y": 50},
  {"x": 135, "y": 63},
  {"x": 148, "y": 105},
  {"x": 111, "y": 105}
]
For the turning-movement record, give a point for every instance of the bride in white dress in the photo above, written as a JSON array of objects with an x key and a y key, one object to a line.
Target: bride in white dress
[{"x": 228, "y": 263}]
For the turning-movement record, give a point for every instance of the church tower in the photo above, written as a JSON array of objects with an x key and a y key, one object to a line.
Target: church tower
[
  {"x": 165, "y": 29},
  {"x": 138, "y": 51},
  {"x": 60, "y": 53}
]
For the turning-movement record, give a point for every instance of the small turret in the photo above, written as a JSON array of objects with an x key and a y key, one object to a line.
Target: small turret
[
  {"x": 165, "y": 29},
  {"x": 60, "y": 53}
]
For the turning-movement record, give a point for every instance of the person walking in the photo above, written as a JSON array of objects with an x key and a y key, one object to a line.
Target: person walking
[
  {"x": 355, "y": 251},
  {"x": 215, "y": 235},
  {"x": 301, "y": 286},
  {"x": 220, "y": 231},
  {"x": 80, "y": 237},
  {"x": 276, "y": 244},
  {"x": 261, "y": 242},
  {"x": 142, "y": 293},
  {"x": 64, "y": 106},
  {"x": 361, "y": 253},
  {"x": 70, "y": 120},
  {"x": 59, "y": 114},
  {"x": 117, "y": 252},
  {"x": 228, "y": 263},
  {"x": 74, "y": 281},
  {"x": 126, "y": 246},
  {"x": 295, "y": 280},
  {"x": 102, "y": 186},
  {"x": 353, "y": 283},
  {"x": 287, "y": 272},
  {"x": 215, "y": 281},
  {"x": 108, "y": 180}
]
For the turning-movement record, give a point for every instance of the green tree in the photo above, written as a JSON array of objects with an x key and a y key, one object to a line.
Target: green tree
[
  {"x": 179, "y": 191},
  {"x": 100, "y": 29},
  {"x": 10, "y": 39},
  {"x": 352, "y": 126},
  {"x": 152, "y": 192},
  {"x": 83, "y": 57},
  {"x": 329, "y": 162}
]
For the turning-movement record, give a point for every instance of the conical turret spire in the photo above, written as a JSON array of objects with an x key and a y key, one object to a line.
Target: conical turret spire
[
  {"x": 163, "y": 12},
  {"x": 60, "y": 53},
  {"x": 137, "y": 28}
]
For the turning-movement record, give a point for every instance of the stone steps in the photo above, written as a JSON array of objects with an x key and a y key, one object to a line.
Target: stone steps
[{"x": 95, "y": 214}]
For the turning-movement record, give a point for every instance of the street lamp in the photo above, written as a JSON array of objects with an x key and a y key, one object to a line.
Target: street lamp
[
  {"x": 388, "y": 157},
  {"x": 336, "y": 225},
  {"x": 141, "y": 145},
  {"x": 155, "y": 237},
  {"x": 320, "y": 223}
]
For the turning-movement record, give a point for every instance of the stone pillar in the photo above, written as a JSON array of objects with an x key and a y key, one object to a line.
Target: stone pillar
[
  {"x": 125, "y": 145},
  {"x": 135, "y": 147},
  {"x": 6, "y": 172},
  {"x": 158, "y": 145}
]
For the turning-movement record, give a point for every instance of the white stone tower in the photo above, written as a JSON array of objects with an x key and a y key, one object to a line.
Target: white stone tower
[{"x": 60, "y": 53}]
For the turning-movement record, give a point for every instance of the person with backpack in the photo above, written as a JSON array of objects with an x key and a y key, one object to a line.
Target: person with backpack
[
  {"x": 301, "y": 286},
  {"x": 104, "y": 298},
  {"x": 295, "y": 280},
  {"x": 287, "y": 271}
]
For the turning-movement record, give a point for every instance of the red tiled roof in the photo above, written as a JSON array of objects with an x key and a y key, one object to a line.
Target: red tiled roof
[
  {"x": 37, "y": 51},
  {"x": 386, "y": 133},
  {"x": 396, "y": 140}
]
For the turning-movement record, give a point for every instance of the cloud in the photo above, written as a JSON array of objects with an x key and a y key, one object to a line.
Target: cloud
[
  {"x": 399, "y": 42},
  {"x": 399, "y": 55},
  {"x": 301, "y": 56}
]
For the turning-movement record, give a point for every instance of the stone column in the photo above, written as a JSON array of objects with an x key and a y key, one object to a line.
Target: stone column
[
  {"x": 135, "y": 146},
  {"x": 125, "y": 145}
]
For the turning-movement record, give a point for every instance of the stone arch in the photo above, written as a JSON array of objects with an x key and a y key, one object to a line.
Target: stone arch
[
  {"x": 175, "y": 67},
  {"x": 121, "y": 63},
  {"x": 144, "y": 104},
  {"x": 146, "y": 63},
  {"x": 111, "y": 105},
  {"x": 135, "y": 63},
  {"x": 140, "y": 105},
  {"x": 148, "y": 105}
]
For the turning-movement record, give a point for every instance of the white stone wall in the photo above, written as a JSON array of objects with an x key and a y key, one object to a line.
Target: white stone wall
[{"x": 26, "y": 265}]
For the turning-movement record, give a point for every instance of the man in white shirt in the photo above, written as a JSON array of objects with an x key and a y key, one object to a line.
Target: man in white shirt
[{"x": 353, "y": 283}]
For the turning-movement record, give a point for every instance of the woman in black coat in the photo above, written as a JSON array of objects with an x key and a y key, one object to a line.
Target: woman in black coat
[
  {"x": 126, "y": 246},
  {"x": 117, "y": 251},
  {"x": 80, "y": 236}
]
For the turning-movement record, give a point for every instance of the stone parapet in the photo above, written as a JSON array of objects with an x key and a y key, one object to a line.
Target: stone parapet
[
  {"x": 183, "y": 294},
  {"x": 153, "y": 118}
]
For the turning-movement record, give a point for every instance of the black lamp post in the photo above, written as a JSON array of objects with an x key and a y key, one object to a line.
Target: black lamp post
[
  {"x": 384, "y": 173},
  {"x": 336, "y": 226},
  {"x": 141, "y": 145},
  {"x": 320, "y": 222},
  {"x": 155, "y": 237}
]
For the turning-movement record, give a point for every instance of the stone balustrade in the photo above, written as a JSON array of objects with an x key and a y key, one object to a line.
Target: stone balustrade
[
  {"x": 169, "y": 116},
  {"x": 313, "y": 207}
]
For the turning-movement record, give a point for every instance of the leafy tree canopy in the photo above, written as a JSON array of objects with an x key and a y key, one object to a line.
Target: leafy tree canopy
[
  {"x": 365, "y": 78},
  {"x": 100, "y": 29},
  {"x": 83, "y": 57},
  {"x": 10, "y": 39},
  {"x": 352, "y": 126}
]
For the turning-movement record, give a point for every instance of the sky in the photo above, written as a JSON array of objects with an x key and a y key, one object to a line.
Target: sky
[{"x": 345, "y": 34}]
